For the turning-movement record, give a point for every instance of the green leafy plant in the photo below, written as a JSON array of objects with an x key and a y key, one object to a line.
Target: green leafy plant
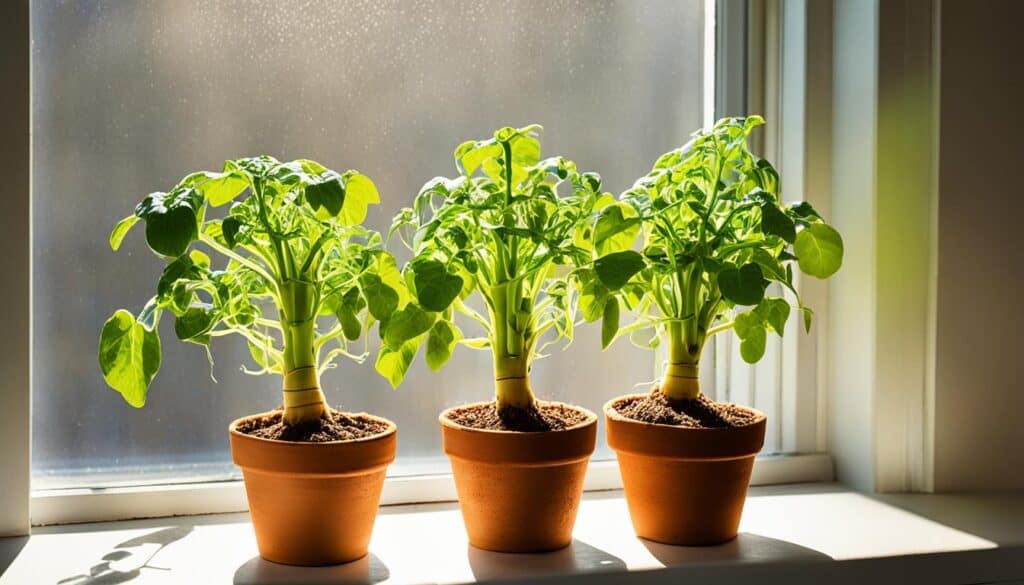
[
  {"x": 715, "y": 236},
  {"x": 502, "y": 229},
  {"x": 296, "y": 257}
]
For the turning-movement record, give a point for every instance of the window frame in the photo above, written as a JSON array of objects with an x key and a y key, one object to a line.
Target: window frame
[
  {"x": 770, "y": 65},
  {"x": 15, "y": 287}
]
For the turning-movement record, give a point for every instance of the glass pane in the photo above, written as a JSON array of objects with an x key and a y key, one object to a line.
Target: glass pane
[{"x": 130, "y": 96}]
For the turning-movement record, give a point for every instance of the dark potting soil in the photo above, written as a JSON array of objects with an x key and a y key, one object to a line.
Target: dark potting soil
[
  {"x": 547, "y": 416},
  {"x": 339, "y": 426},
  {"x": 699, "y": 413}
]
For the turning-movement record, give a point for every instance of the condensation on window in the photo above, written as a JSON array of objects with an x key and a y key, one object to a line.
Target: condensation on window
[{"x": 130, "y": 96}]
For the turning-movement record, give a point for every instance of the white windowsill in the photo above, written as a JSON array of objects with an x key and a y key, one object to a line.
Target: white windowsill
[{"x": 810, "y": 533}]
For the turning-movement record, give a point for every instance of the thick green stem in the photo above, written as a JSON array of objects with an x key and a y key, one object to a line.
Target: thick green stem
[
  {"x": 512, "y": 382},
  {"x": 509, "y": 344},
  {"x": 303, "y": 399},
  {"x": 680, "y": 381}
]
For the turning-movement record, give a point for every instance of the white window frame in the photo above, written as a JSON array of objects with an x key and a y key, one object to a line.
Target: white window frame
[{"x": 772, "y": 64}]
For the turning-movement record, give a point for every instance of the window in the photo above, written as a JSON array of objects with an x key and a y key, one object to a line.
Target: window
[{"x": 128, "y": 97}]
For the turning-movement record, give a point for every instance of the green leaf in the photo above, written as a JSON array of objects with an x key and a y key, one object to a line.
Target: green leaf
[
  {"x": 181, "y": 298},
  {"x": 775, "y": 312},
  {"x": 347, "y": 311},
  {"x": 389, "y": 274},
  {"x": 441, "y": 343},
  {"x": 121, "y": 230},
  {"x": 381, "y": 298},
  {"x": 614, "y": 270},
  {"x": 753, "y": 338},
  {"x": 610, "y": 323},
  {"x": 819, "y": 250},
  {"x": 775, "y": 222},
  {"x": 808, "y": 316},
  {"x": 199, "y": 259},
  {"x": 350, "y": 325},
  {"x": 803, "y": 209},
  {"x": 476, "y": 342},
  {"x": 194, "y": 323},
  {"x": 329, "y": 195},
  {"x": 525, "y": 154},
  {"x": 360, "y": 193},
  {"x": 394, "y": 363},
  {"x": 220, "y": 188},
  {"x": 616, "y": 229},
  {"x": 172, "y": 221},
  {"x": 169, "y": 234},
  {"x": 743, "y": 286},
  {"x": 410, "y": 322},
  {"x": 435, "y": 287},
  {"x": 181, "y": 268},
  {"x": 129, "y": 356},
  {"x": 593, "y": 298},
  {"x": 229, "y": 228},
  {"x": 771, "y": 268},
  {"x": 470, "y": 155}
]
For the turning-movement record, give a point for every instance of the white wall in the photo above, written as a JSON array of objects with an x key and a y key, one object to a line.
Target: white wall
[{"x": 979, "y": 350}]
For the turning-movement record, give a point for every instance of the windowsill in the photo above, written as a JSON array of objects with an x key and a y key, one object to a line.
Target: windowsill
[{"x": 802, "y": 533}]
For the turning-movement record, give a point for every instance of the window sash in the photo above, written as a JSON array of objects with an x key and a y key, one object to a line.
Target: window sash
[{"x": 797, "y": 385}]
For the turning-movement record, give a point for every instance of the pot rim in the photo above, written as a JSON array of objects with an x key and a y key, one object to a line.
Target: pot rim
[
  {"x": 663, "y": 441},
  {"x": 309, "y": 459},
  {"x": 446, "y": 422},
  {"x": 391, "y": 430},
  {"x": 519, "y": 448},
  {"x": 611, "y": 412}
]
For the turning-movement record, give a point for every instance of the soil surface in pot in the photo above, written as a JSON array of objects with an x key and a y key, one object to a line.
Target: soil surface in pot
[
  {"x": 339, "y": 427},
  {"x": 548, "y": 416},
  {"x": 699, "y": 413}
]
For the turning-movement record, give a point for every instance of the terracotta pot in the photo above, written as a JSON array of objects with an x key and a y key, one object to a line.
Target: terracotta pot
[
  {"x": 519, "y": 492},
  {"x": 313, "y": 503},
  {"x": 683, "y": 486}
]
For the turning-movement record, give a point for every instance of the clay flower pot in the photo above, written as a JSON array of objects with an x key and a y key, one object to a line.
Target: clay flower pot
[
  {"x": 313, "y": 503},
  {"x": 683, "y": 486},
  {"x": 519, "y": 491}
]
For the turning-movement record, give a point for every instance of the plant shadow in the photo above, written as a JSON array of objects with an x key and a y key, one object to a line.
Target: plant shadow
[
  {"x": 746, "y": 547},
  {"x": 575, "y": 558},
  {"x": 364, "y": 571},
  {"x": 129, "y": 558}
]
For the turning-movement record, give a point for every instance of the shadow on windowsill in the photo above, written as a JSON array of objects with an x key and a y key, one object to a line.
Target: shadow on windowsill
[
  {"x": 129, "y": 558},
  {"x": 997, "y": 517},
  {"x": 576, "y": 558},
  {"x": 364, "y": 571},
  {"x": 746, "y": 547},
  {"x": 10, "y": 547}
]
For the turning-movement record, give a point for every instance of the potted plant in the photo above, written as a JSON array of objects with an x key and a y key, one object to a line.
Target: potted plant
[
  {"x": 502, "y": 230},
  {"x": 716, "y": 241},
  {"x": 301, "y": 282}
]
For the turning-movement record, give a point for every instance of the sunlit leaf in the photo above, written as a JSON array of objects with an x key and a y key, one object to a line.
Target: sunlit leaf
[
  {"x": 129, "y": 356},
  {"x": 819, "y": 249}
]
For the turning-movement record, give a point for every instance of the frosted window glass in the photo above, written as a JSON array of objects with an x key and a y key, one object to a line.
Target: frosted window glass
[{"x": 130, "y": 96}]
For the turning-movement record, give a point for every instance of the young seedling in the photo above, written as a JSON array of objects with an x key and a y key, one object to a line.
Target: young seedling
[
  {"x": 715, "y": 235},
  {"x": 501, "y": 229},
  {"x": 295, "y": 252}
]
